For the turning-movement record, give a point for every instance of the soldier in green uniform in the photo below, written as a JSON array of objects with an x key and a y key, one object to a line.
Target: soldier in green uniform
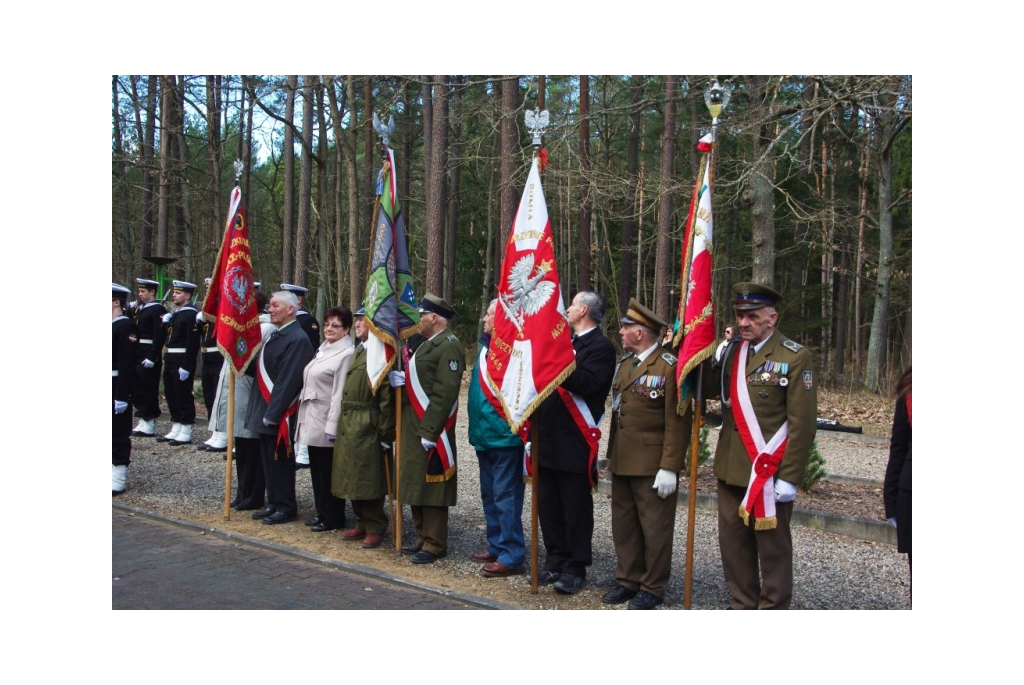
[
  {"x": 769, "y": 414},
  {"x": 367, "y": 420},
  {"x": 427, "y": 459},
  {"x": 646, "y": 448}
]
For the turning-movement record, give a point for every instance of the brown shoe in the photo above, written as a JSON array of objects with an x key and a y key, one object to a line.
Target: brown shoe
[
  {"x": 482, "y": 557},
  {"x": 372, "y": 540},
  {"x": 498, "y": 570},
  {"x": 353, "y": 534}
]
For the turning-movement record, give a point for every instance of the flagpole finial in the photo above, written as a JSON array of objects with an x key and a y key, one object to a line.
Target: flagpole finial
[
  {"x": 537, "y": 121},
  {"x": 716, "y": 97},
  {"x": 385, "y": 132},
  {"x": 238, "y": 170}
]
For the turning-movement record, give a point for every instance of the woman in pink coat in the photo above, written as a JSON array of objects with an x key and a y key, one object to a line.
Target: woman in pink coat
[{"x": 319, "y": 408}]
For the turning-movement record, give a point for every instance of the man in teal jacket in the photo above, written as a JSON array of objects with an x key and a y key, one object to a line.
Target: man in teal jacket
[{"x": 500, "y": 453}]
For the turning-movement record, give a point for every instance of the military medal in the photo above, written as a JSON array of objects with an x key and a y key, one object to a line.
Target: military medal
[{"x": 783, "y": 381}]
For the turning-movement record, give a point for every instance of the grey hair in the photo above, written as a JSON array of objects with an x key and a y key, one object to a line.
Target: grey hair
[
  {"x": 288, "y": 297},
  {"x": 595, "y": 304}
]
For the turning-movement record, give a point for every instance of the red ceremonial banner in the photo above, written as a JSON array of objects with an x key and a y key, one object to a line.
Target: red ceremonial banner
[
  {"x": 231, "y": 302},
  {"x": 531, "y": 347}
]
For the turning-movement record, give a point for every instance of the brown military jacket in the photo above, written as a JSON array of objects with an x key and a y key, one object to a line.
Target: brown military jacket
[
  {"x": 782, "y": 387},
  {"x": 647, "y": 433}
]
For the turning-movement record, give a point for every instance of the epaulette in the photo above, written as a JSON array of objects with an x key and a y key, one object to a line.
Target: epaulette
[
  {"x": 791, "y": 345},
  {"x": 670, "y": 358},
  {"x": 452, "y": 338}
]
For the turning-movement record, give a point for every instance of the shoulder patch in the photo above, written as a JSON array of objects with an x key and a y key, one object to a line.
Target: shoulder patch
[
  {"x": 453, "y": 365},
  {"x": 670, "y": 358},
  {"x": 792, "y": 346}
]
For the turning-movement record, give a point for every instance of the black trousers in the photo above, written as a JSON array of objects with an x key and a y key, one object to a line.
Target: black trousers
[
  {"x": 279, "y": 472},
  {"x": 329, "y": 509},
  {"x": 252, "y": 485},
  {"x": 180, "y": 401},
  {"x": 210, "y": 375},
  {"x": 147, "y": 391},
  {"x": 122, "y": 431},
  {"x": 566, "y": 510}
]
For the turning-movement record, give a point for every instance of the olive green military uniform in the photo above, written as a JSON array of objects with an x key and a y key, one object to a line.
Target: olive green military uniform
[
  {"x": 780, "y": 381},
  {"x": 366, "y": 421},
  {"x": 440, "y": 363},
  {"x": 647, "y": 434}
]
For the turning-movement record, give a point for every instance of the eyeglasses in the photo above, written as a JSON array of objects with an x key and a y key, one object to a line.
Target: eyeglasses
[{"x": 333, "y": 325}]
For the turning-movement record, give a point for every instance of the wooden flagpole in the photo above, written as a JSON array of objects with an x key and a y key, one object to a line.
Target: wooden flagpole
[{"x": 692, "y": 499}]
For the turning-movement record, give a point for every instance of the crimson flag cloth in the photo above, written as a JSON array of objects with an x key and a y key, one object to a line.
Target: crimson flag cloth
[
  {"x": 231, "y": 302},
  {"x": 695, "y": 321},
  {"x": 531, "y": 346}
]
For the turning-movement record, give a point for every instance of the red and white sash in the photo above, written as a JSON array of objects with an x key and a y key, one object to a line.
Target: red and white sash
[
  {"x": 441, "y": 459},
  {"x": 266, "y": 386},
  {"x": 759, "y": 499},
  {"x": 580, "y": 413}
]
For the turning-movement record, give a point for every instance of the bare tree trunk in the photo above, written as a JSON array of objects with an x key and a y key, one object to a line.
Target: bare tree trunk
[
  {"x": 164, "y": 194},
  {"x": 663, "y": 275},
  {"x": 287, "y": 257},
  {"x": 372, "y": 162},
  {"x": 323, "y": 271},
  {"x": 147, "y": 136},
  {"x": 355, "y": 265},
  {"x": 876, "y": 361},
  {"x": 509, "y": 153},
  {"x": 427, "y": 103},
  {"x": 864, "y": 173},
  {"x": 759, "y": 193},
  {"x": 628, "y": 250},
  {"x": 437, "y": 189},
  {"x": 339, "y": 163},
  {"x": 305, "y": 184},
  {"x": 455, "y": 176},
  {"x": 183, "y": 213},
  {"x": 128, "y": 258},
  {"x": 585, "y": 209},
  {"x": 214, "y": 158}
]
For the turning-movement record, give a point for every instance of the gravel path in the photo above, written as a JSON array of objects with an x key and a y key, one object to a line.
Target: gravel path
[{"x": 831, "y": 571}]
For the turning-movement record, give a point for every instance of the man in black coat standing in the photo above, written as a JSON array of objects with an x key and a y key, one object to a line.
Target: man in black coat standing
[
  {"x": 567, "y": 451},
  {"x": 273, "y": 403}
]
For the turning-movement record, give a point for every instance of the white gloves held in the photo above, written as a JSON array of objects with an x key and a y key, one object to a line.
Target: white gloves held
[
  {"x": 120, "y": 407},
  {"x": 529, "y": 448},
  {"x": 166, "y": 318},
  {"x": 665, "y": 483},
  {"x": 183, "y": 374},
  {"x": 396, "y": 379},
  {"x": 330, "y": 437},
  {"x": 784, "y": 492},
  {"x": 147, "y": 364},
  {"x": 427, "y": 444}
]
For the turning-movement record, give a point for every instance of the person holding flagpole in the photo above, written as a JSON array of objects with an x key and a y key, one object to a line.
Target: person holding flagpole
[
  {"x": 769, "y": 415},
  {"x": 427, "y": 479}
]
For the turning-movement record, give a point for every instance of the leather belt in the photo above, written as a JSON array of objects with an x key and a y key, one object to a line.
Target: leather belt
[
  {"x": 176, "y": 350},
  {"x": 145, "y": 342}
]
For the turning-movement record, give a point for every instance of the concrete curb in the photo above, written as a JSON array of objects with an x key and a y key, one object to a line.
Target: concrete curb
[
  {"x": 853, "y": 526},
  {"x": 367, "y": 571}
]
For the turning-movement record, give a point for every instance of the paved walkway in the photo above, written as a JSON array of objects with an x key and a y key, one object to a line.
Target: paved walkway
[{"x": 161, "y": 565}]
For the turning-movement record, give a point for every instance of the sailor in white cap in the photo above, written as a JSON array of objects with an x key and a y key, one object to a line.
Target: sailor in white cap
[
  {"x": 180, "y": 364},
  {"x": 308, "y": 323},
  {"x": 126, "y": 339},
  {"x": 148, "y": 315}
]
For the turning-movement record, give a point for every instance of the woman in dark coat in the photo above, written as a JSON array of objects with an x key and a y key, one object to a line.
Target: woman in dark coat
[{"x": 897, "y": 474}]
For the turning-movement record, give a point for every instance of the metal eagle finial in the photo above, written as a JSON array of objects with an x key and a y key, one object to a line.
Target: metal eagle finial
[
  {"x": 537, "y": 121},
  {"x": 384, "y": 132}
]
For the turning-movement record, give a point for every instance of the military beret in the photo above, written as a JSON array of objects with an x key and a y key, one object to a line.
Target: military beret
[
  {"x": 751, "y": 296},
  {"x": 433, "y": 303},
  {"x": 637, "y": 313}
]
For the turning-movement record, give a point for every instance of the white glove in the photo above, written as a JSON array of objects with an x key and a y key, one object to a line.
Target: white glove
[
  {"x": 147, "y": 364},
  {"x": 385, "y": 446},
  {"x": 330, "y": 438},
  {"x": 166, "y": 318},
  {"x": 120, "y": 406},
  {"x": 268, "y": 423},
  {"x": 784, "y": 492},
  {"x": 427, "y": 444},
  {"x": 665, "y": 483},
  {"x": 893, "y": 521},
  {"x": 529, "y": 447},
  {"x": 397, "y": 379},
  {"x": 183, "y": 374},
  {"x": 199, "y": 317}
]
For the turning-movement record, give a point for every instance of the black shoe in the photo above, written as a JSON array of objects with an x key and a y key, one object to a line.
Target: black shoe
[
  {"x": 264, "y": 512},
  {"x": 278, "y": 517},
  {"x": 322, "y": 528},
  {"x": 411, "y": 548},
  {"x": 215, "y": 449},
  {"x": 315, "y": 521},
  {"x": 425, "y": 557},
  {"x": 545, "y": 577},
  {"x": 301, "y": 466},
  {"x": 618, "y": 595},
  {"x": 140, "y": 434},
  {"x": 241, "y": 508},
  {"x": 569, "y": 584},
  {"x": 202, "y": 447},
  {"x": 644, "y": 600}
]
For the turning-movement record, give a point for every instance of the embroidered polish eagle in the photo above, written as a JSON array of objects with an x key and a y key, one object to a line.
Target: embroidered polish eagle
[{"x": 528, "y": 292}]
